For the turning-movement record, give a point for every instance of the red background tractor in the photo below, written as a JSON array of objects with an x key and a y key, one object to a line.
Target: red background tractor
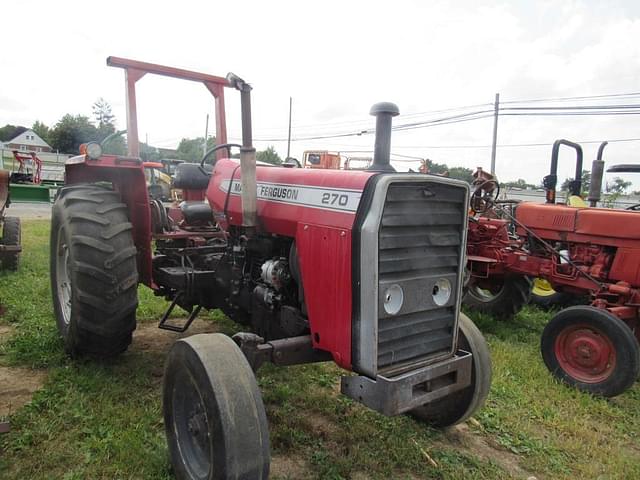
[
  {"x": 363, "y": 268},
  {"x": 578, "y": 250}
]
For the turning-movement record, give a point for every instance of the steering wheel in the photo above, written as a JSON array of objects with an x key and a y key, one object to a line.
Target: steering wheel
[
  {"x": 634, "y": 208},
  {"x": 219, "y": 147},
  {"x": 484, "y": 195},
  {"x": 110, "y": 137}
]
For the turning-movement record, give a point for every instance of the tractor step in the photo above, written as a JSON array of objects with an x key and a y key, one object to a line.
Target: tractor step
[{"x": 164, "y": 322}]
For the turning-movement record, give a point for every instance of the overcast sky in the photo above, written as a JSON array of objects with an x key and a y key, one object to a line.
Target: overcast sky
[{"x": 336, "y": 59}]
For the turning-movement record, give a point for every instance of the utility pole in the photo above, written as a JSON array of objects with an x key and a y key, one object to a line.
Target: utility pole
[
  {"x": 206, "y": 132},
  {"x": 496, "y": 108},
  {"x": 289, "y": 138}
]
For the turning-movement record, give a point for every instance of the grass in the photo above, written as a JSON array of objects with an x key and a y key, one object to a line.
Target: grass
[{"x": 104, "y": 420}]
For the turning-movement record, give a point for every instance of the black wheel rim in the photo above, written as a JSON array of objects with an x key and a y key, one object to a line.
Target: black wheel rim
[{"x": 191, "y": 426}]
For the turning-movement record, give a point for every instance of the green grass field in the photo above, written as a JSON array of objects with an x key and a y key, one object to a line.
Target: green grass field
[{"x": 103, "y": 420}]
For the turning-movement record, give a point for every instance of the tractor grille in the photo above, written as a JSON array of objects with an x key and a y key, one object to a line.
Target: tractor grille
[{"x": 420, "y": 239}]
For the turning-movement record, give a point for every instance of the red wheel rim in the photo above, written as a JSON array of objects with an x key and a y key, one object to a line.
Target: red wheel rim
[{"x": 585, "y": 353}]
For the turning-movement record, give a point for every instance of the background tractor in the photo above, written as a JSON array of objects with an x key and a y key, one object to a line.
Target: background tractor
[
  {"x": 362, "y": 268},
  {"x": 580, "y": 251},
  {"x": 10, "y": 245}
]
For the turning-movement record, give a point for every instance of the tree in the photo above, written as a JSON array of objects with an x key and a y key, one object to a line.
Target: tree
[
  {"x": 102, "y": 114},
  {"x": 437, "y": 168},
  {"x": 149, "y": 153},
  {"x": 9, "y": 132},
  {"x": 461, "y": 173},
  {"x": 269, "y": 156},
  {"x": 71, "y": 131},
  {"x": 586, "y": 183},
  {"x": 41, "y": 130},
  {"x": 618, "y": 186},
  {"x": 520, "y": 183},
  {"x": 190, "y": 149}
]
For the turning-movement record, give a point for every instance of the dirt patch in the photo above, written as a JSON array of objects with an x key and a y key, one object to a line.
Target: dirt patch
[
  {"x": 5, "y": 331},
  {"x": 149, "y": 338},
  {"x": 477, "y": 445},
  {"x": 319, "y": 424},
  {"x": 17, "y": 386},
  {"x": 284, "y": 467}
]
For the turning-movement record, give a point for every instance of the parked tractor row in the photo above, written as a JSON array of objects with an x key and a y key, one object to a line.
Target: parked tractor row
[{"x": 362, "y": 268}]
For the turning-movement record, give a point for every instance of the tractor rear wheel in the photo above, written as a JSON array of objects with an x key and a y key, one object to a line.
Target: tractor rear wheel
[
  {"x": 591, "y": 349},
  {"x": 10, "y": 236},
  {"x": 214, "y": 418},
  {"x": 456, "y": 408},
  {"x": 504, "y": 300},
  {"x": 93, "y": 271}
]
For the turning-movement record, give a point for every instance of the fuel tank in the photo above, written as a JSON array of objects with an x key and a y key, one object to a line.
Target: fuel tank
[{"x": 598, "y": 226}]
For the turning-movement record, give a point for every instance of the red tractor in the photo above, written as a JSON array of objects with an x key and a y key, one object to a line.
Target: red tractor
[
  {"x": 24, "y": 175},
  {"x": 362, "y": 268},
  {"x": 578, "y": 250},
  {"x": 10, "y": 240}
]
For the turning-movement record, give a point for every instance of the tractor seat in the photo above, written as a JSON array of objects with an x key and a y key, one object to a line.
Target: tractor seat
[
  {"x": 196, "y": 212},
  {"x": 192, "y": 176}
]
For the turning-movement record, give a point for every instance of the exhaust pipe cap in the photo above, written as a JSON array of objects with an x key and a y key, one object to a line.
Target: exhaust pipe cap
[{"x": 385, "y": 107}]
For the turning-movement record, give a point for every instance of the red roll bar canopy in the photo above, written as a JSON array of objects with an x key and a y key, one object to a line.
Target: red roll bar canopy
[{"x": 134, "y": 71}]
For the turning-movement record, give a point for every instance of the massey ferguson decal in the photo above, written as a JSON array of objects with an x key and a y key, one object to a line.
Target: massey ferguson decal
[{"x": 314, "y": 197}]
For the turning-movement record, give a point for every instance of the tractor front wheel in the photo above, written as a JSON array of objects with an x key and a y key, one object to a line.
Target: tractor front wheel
[
  {"x": 591, "y": 349},
  {"x": 505, "y": 299},
  {"x": 462, "y": 404},
  {"x": 11, "y": 236},
  {"x": 93, "y": 271},
  {"x": 214, "y": 418}
]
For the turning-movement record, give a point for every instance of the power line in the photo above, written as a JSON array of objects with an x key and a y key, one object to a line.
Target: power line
[
  {"x": 574, "y": 110},
  {"x": 579, "y": 110},
  {"x": 504, "y": 145},
  {"x": 584, "y": 97},
  {"x": 371, "y": 120},
  {"x": 578, "y": 107}
]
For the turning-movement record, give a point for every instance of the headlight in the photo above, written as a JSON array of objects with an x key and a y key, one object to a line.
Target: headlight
[
  {"x": 441, "y": 292},
  {"x": 94, "y": 150},
  {"x": 393, "y": 299}
]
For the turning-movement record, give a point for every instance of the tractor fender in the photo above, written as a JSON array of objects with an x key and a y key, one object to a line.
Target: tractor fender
[{"x": 126, "y": 176}]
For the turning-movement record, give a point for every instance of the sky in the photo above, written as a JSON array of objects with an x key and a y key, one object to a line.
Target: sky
[{"x": 336, "y": 59}]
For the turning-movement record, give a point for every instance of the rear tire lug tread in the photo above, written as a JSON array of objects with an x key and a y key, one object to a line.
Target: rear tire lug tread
[{"x": 99, "y": 234}]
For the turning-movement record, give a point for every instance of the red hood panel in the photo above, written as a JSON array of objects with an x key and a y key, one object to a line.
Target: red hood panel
[{"x": 289, "y": 196}]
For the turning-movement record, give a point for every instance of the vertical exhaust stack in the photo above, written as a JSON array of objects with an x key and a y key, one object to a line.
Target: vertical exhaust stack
[
  {"x": 597, "y": 172},
  {"x": 383, "y": 111},
  {"x": 247, "y": 155}
]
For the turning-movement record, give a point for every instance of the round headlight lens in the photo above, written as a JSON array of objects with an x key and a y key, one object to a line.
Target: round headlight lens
[
  {"x": 94, "y": 150},
  {"x": 393, "y": 299},
  {"x": 441, "y": 292}
]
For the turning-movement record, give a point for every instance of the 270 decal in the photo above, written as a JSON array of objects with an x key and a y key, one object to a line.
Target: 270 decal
[{"x": 335, "y": 198}]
